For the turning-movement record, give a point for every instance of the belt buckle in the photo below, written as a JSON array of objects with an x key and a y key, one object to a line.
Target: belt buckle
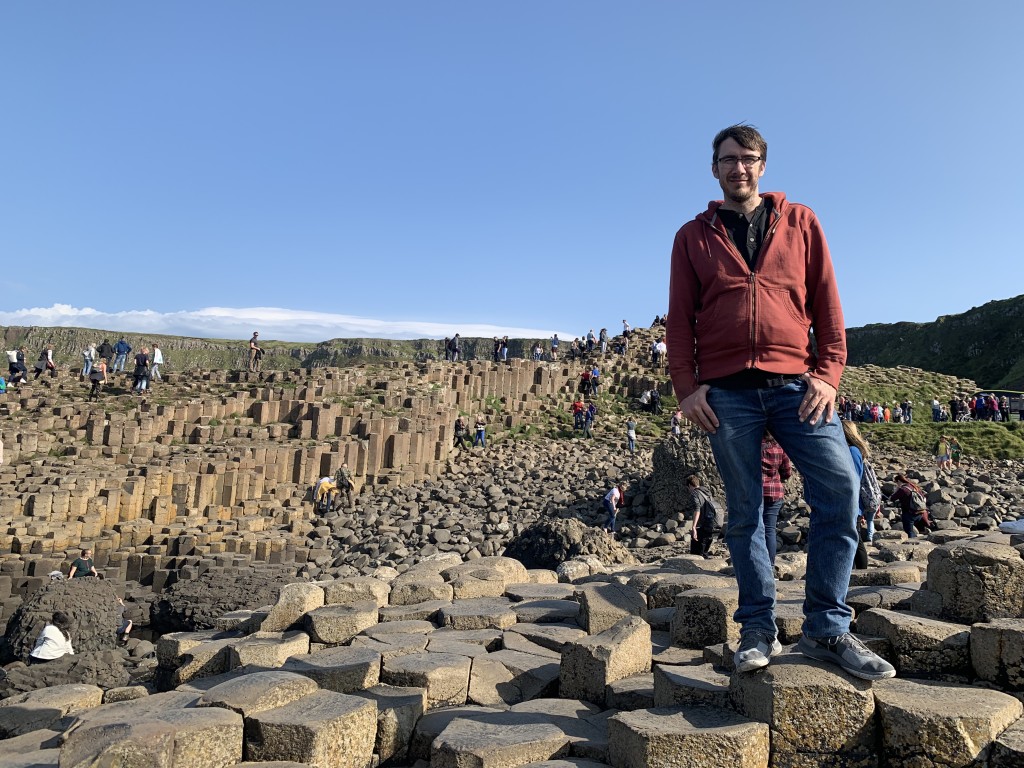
[{"x": 778, "y": 381}]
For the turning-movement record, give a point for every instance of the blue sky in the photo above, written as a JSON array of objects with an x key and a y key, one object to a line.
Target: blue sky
[{"x": 326, "y": 169}]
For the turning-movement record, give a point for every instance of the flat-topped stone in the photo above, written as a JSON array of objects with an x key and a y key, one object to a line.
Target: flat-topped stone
[
  {"x": 792, "y": 692},
  {"x": 204, "y": 738},
  {"x": 602, "y": 605},
  {"x": 546, "y": 611},
  {"x": 324, "y": 729},
  {"x": 267, "y": 650},
  {"x": 929, "y": 723},
  {"x": 696, "y": 737},
  {"x": 704, "y": 617},
  {"x": 341, "y": 669},
  {"x": 294, "y": 600},
  {"x": 478, "y": 613},
  {"x": 445, "y": 676},
  {"x": 339, "y": 622},
  {"x": 43, "y": 708},
  {"x": 551, "y": 636},
  {"x": 592, "y": 663},
  {"x": 690, "y": 686},
  {"x": 487, "y": 744},
  {"x": 250, "y": 694},
  {"x": 355, "y": 589},
  {"x": 921, "y": 647},
  {"x": 425, "y": 611},
  {"x": 978, "y": 581},
  {"x": 997, "y": 652}
]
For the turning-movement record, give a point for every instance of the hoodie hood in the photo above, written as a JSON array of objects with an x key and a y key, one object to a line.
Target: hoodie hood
[{"x": 777, "y": 199}]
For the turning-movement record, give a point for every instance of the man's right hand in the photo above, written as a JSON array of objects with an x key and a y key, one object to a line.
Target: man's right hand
[{"x": 695, "y": 407}]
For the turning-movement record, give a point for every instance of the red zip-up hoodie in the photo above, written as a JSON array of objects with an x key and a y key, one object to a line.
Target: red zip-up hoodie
[{"x": 724, "y": 317}]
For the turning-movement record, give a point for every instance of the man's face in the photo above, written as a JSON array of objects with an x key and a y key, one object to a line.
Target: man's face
[{"x": 738, "y": 180}]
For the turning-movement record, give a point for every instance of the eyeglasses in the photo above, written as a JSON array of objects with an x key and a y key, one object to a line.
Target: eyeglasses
[{"x": 748, "y": 161}]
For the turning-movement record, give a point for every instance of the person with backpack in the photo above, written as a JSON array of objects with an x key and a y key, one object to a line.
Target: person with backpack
[
  {"x": 776, "y": 469},
  {"x": 708, "y": 518},
  {"x": 913, "y": 507},
  {"x": 870, "y": 499},
  {"x": 45, "y": 361}
]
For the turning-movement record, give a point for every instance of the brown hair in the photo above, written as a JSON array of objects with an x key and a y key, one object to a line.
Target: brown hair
[
  {"x": 904, "y": 480},
  {"x": 746, "y": 136}
]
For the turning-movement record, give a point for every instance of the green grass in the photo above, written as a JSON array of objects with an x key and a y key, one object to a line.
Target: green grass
[{"x": 984, "y": 439}]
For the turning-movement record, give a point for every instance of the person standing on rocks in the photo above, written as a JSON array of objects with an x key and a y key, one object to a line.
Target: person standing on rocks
[
  {"x": 158, "y": 360},
  {"x": 343, "y": 480},
  {"x": 121, "y": 351},
  {"x": 776, "y": 469},
  {"x": 554, "y": 347},
  {"x": 98, "y": 377},
  {"x": 588, "y": 421},
  {"x": 759, "y": 267},
  {"x": 631, "y": 434},
  {"x": 578, "y": 411},
  {"x": 83, "y": 566},
  {"x": 88, "y": 358},
  {"x": 255, "y": 353},
  {"x": 105, "y": 350},
  {"x": 54, "y": 641},
  {"x": 141, "y": 374},
  {"x": 707, "y": 518},
  {"x": 613, "y": 500},
  {"x": 481, "y": 432},
  {"x": 460, "y": 433}
]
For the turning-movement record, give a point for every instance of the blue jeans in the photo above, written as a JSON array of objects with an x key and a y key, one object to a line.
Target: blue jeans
[
  {"x": 771, "y": 518},
  {"x": 87, "y": 368},
  {"x": 480, "y": 438},
  {"x": 609, "y": 507},
  {"x": 119, "y": 363},
  {"x": 831, "y": 489},
  {"x": 632, "y": 443}
]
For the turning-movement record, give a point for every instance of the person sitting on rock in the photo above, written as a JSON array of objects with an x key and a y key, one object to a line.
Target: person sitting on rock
[
  {"x": 54, "y": 641},
  {"x": 83, "y": 566}
]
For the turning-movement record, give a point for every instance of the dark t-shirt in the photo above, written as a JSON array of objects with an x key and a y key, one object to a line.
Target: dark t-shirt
[{"x": 82, "y": 567}]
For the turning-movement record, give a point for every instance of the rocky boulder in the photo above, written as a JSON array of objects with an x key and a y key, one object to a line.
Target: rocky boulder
[{"x": 548, "y": 543}]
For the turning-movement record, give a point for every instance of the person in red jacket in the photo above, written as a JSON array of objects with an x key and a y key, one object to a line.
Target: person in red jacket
[{"x": 751, "y": 276}]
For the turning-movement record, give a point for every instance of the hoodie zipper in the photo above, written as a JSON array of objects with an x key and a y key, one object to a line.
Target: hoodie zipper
[{"x": 752, "y": 272}]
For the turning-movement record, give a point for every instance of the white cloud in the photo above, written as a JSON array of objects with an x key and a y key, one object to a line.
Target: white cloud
[{"x": 271, "y": 322}]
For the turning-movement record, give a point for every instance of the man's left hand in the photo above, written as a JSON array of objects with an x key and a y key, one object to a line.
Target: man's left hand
[{"x": 819, "y": 401}]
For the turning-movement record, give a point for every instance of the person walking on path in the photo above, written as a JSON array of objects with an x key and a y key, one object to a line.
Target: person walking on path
[
  {"x": 758, "y": 266},
  {"x": 776, "y": 469},
  {"x": 45, "y": 361}
]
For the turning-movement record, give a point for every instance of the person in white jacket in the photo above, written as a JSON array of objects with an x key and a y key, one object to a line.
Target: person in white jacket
[
  {"x": 54, "y": 641},
  {"x": 155, "y": 363}
]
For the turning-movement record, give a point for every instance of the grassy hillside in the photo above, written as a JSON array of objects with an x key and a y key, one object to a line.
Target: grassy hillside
[
  {"x": 986, "y": 440},
  {"x": 985, "y": 344}
]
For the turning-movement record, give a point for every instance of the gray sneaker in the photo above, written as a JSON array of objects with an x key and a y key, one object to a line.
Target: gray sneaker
[
  {"x": 756, "y": 649},
  {"x": 849, "y": 653}
]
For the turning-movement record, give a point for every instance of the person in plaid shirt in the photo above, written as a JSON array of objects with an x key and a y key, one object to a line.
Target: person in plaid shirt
[{"x": 775, "y": 471}]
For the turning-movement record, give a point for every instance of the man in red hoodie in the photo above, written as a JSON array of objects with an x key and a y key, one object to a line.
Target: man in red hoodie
[{"x": 751, "y": 276}]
